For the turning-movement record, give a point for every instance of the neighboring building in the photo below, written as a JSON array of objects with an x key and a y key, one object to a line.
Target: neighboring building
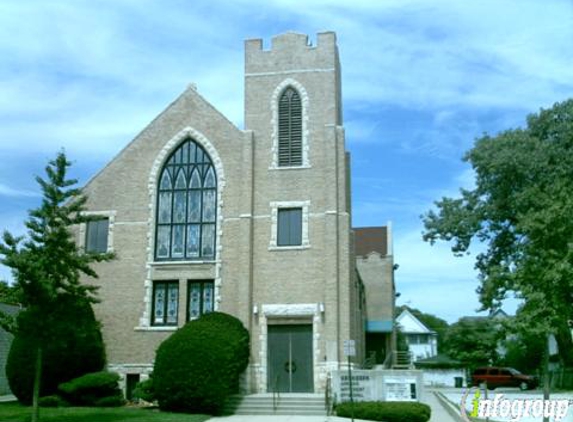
[
  {"x": 422, "y": 342},
  {"x": 375, "y": 265},
  {"x": 204, "y": 216},
  {"x": 5, "y": 343},
  {"x": 442, "y": 371}
]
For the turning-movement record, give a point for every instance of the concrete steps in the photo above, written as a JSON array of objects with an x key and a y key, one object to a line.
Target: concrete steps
[{"x": 288, "y": 404}]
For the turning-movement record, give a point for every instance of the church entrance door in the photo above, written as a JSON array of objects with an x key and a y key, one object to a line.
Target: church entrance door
[{"x": 290, "y": 366}]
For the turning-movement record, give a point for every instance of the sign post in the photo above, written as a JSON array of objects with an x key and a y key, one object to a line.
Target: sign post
[{"x": 350, "y": 350}]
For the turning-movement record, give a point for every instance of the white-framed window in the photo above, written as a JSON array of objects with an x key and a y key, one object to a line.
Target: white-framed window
[
  {"x": 96, "y": 235},
  {"x": 290, "y": 135},
  {"x": 289, "y": 225}
]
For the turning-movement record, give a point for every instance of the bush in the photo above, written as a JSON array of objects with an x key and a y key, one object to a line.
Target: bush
[
  {"x": 386, "y": 411},
  {"x": 144, "y": 390},
  {"x": 53, "y": 401},
  {"x": 199, "y": 366},
  {"x": 96, "y": 389},
  {"x": 75, "y": 347},
  {"x": 110, "y": 401}
]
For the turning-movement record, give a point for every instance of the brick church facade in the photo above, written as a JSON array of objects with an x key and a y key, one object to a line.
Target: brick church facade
[{"x": 256, "y": 222}]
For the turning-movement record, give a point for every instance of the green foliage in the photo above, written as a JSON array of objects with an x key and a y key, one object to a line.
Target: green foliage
[
  {"x": 53, "y": 401},
  {"x": 77, "y": 348},
  {"x": 520, "y": 209},
  {"x": 95, "y": 389},
  {"x": 523, "y": 350},
  {"x": 144, "y": 390},
  {"x": 9, "y": 293},
  {"x": 14, "y": 412},
  {"x": 473, "y": 341},
  {"x": 199, "y": 366},
  {"x": 387, "y": 411},
  {"x": 401, "y": 342},
  {"x": 47, "y": 265}
]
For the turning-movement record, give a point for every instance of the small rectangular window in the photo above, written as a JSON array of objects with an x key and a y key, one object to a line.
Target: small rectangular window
[
  {"x": 96, "y": 235},
  {"x": 165, "y": 303},
  {"x": 200, "y": 298},
  {"x": 289, "y": 227}
]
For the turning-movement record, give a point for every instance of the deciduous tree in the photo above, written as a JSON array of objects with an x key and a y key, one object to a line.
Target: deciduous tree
[{"x": 521, "y": 209}]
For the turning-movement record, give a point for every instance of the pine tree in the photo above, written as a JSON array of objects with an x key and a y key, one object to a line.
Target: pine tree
[{"x": 46, "y": 263}]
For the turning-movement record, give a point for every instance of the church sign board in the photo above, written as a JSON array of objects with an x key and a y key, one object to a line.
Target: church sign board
[{"x": 378, "y": 385}]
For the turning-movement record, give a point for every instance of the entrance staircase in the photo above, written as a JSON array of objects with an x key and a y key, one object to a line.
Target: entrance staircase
[{"x": 285, "y": 404}]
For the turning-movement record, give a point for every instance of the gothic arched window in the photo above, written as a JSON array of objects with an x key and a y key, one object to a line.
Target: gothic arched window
[
  {"x": 290, "y": 129},
  {"x": 186, "y": 205}
]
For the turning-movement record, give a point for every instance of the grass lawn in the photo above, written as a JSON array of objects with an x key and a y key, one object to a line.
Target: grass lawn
[{"x": 13, "y": 412}]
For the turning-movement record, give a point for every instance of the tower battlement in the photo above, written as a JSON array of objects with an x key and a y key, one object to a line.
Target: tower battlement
[{"x": 291, "y": 51}]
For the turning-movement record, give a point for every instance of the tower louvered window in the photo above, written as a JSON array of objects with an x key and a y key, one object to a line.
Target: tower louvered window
[
  {"x": 186, "y": 206},
  {"x": 290, "y": 129}
]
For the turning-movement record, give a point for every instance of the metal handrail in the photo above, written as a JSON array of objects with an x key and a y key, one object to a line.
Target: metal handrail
[{"x": 276, "y": 394}]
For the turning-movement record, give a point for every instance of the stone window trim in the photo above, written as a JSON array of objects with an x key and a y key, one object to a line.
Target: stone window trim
[
  {"x": 289, "y": 82},
  {"x": 275, "y": 206},
  {"x": 153, "y": 180},
  {"x": 110, "y": 215}
]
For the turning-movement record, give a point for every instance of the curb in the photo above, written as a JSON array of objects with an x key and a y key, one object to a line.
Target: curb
[{"x": 452, "y": 410}]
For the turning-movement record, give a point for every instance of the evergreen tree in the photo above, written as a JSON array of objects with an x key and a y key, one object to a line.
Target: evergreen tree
[{"x": 46, "y": 263}]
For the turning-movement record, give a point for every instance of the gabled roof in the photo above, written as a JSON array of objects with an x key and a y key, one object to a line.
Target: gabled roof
[
  {"x": 409, "y": 324},
  {"x": 371, "y": 239}
]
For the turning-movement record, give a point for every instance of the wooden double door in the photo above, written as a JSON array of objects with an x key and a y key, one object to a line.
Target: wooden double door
[{"x": 290, "y": 363}]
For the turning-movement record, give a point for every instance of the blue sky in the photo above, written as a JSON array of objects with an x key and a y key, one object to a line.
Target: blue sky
[{"x": 421, "y": 80}]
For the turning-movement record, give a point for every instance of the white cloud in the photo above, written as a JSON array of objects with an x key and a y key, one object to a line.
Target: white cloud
[
  {"x": 9, "y": 191},
  {"x": 88, "y": 76}
]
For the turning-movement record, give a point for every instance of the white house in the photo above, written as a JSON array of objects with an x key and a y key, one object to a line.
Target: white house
[{"x": 422, "y": 342}]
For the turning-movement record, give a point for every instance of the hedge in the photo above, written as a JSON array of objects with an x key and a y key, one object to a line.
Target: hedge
[{"x": 386, "y": 411}]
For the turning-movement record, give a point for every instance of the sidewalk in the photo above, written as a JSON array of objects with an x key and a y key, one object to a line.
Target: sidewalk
[{"x": 439, "y": 411}]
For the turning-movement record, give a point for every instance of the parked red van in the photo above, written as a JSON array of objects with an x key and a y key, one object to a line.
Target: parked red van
[{"x": 503, "y": 377}]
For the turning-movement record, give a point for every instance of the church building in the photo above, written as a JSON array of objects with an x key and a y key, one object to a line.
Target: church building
[{"x": 254, "y": 222}]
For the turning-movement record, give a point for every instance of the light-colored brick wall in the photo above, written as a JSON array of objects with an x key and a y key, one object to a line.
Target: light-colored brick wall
[{"x": 249, "y": 272}]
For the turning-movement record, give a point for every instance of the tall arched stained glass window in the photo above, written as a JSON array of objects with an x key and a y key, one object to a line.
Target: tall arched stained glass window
[
  {"x": 290, "y": 128},
  {"x": 186, "y": 206}
]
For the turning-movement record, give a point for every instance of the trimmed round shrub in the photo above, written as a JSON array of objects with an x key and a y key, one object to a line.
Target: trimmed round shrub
[
  {"x": 386, "y": 411},
  {"x": 199, "y": 366},
  {"x": 73, "y": 346},
  {"x": 95, "y": 389},
  {"x": 145, "y": 391}
]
